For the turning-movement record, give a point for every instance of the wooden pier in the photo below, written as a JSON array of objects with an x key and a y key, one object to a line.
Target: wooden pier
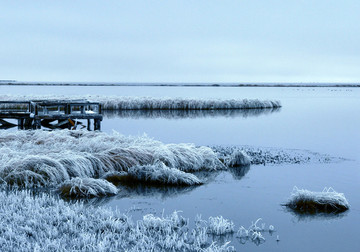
[{"x": 52, "y": 114}]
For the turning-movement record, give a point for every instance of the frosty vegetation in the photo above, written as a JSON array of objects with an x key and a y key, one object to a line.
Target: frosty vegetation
[
  {"x": 159, "y": 173},
  {"x": 151, "y": 103},
  {"x": 87, "y": 187},
  {"x": 238, "y": 158},
  {"x": 44, "y": 223},
  {"x": 327, "y": 201},
  {"x": 255, "y": 232},
  {"x": 265, "y": 156},
  {"x": 31, "y": 159}
]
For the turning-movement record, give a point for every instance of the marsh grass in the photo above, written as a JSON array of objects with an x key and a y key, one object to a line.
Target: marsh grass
[
  {"x": 45, "y": 223},
  {"x": 86, "y": 187},
  {"x": 328, "y": 201}
]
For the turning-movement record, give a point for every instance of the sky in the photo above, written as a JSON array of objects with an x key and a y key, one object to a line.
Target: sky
[{"x": 180, "y": 41}]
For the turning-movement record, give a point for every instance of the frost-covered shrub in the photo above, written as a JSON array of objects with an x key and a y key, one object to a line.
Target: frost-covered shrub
[
  {"x": 159, "y": 173},
  {"x": 328, "y": 201},
  {"x": 238, "y": 158},
  {"x": 87, "y": 187}
]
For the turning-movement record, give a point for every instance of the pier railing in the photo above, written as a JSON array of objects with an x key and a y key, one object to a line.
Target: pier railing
[{"x": 37, "y": 113}]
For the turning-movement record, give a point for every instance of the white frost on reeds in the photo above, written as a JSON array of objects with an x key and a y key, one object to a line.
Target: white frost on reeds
[
  {"x": 254, "y": 232},
  {"x": 238, "y": 158},
  {"x": 159, "y": 173},
  {"x": 328, "y": 201},
  {"x": 86, "y": 187},
  {"x": 220, "y": 226},
  {"x": 152, "y": 103},
  {"x": 42, "y": 158},
  {"x": 44, "y": 223}
]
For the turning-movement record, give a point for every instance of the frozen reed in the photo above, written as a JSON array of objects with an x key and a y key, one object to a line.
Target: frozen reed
[{"x": 44, "y": 223}]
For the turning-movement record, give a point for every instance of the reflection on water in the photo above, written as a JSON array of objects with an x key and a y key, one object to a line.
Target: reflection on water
[
  {"x": 239, "y": 172},
  {"x": 310, "y": 216},
  {"x": 180, "y": 114}
]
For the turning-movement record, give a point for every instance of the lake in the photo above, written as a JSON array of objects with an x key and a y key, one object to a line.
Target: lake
[{"x": 320, "y": 119}]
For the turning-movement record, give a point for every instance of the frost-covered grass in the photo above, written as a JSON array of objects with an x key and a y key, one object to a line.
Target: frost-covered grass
[
  {"x": 47, "y": 159},
  {"x": 220, "y": 226},
  {"x": 265, "y": 156},
  {"x": 159, "y": 173},
  {"x": 255, "y": 232},
  {"x": 151, "y": 103},
  {"x": 87, "y": 187},
  {"x": 44, "y": 223},
  {"x": 327, "y": 201}
]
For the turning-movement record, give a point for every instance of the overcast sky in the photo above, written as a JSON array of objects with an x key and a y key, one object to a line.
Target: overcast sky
[{"x": 180, "y": 41}]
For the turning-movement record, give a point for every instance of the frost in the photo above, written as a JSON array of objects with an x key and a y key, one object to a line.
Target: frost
[
  {"x": 151, "y": 103},
  {"x": 254, "y": 232},
  {"x": 220, "y": 226},
  {"x": 327, "y": 201},
  {"x": 87, "y": 187},
  {"x": 159, "y": 173},
  {"x": 44, "y": 223},
  {"x": 46, "y": 159}
]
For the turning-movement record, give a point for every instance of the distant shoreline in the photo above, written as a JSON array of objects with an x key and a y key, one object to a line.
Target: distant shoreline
[{"x": 306, "y": 85}]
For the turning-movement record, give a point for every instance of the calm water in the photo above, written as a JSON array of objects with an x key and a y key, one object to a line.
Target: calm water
[{"x": 324, "y": 120}]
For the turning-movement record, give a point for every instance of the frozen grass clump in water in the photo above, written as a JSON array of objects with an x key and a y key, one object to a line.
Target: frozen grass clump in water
[
  {"x": 238, "y": 158},
  {"x": 159, "y": 173},
  {"x": 327, "y": 201},
  {"x": 87, "y": 187},
  {"x": 220, "y": 226},
  {"x": 46, "y": 223}
]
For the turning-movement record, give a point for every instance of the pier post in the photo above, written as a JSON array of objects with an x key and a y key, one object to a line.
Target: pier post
[
  {"x": 88, "y": 124},
  {"x": 37, "y": 124},
  {"x": 97, "y": 124},
  {"x": 21, "y": 123}
]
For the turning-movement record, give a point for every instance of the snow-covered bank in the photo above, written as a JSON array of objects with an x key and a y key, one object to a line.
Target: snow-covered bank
[
  {"x": 151, "y": 103},
  {"x": 47, "y": 159},
  {"x": 327, "y": 201}
]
